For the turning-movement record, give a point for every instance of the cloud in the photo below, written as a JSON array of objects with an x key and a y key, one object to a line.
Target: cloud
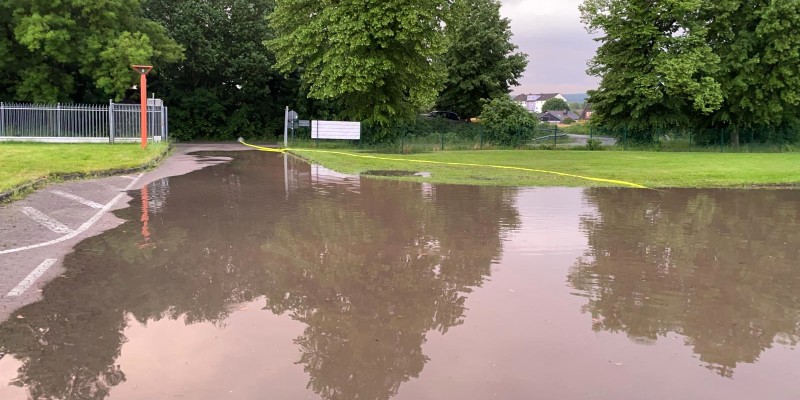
[{"x": 557, "y": 44}]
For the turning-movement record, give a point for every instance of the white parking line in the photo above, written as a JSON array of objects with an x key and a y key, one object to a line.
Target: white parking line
[
  {"x": 79, "y": 199},
  {"x": 45, "y": 221},
  {"x": 32, "y": 277},
  {"x": 83, "y": 228}
]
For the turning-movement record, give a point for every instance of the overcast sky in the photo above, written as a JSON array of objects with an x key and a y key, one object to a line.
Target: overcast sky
[{"x": 558, "y": 46}]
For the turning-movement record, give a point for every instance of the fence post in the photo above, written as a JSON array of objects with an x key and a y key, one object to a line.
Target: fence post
[
  {"x": 480, "y": 138},
  {"x": 163, "y": 124},
  {"x": 441, "y": 140},
  {"x": 166, "y": 123},
  {"x": 625, "y": 139},
  {"x": 555, "y": 132},
  {"x": 2, "y": 119},
  {"x": 721, "y": 139},
  {"x": 58, "y": 118},
  {"x": 591, "y": 132},
  {"x": 110, "y": 121}
]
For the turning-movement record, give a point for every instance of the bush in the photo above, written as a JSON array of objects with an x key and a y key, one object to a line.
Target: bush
[
  {"x": 568, "y": 121},
  {"x": 594, "y": 144},
  {"x": 507, "y": 123}
]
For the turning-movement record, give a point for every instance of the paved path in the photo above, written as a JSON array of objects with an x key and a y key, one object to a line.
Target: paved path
[
  {"x": 39, "y": 230},
  {"x": 580, "y": 140}
]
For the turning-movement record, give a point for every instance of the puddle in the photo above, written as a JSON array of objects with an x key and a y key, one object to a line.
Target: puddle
[
  {"x": 396, "y": 173},
  {"x": 265, "y": 275}
]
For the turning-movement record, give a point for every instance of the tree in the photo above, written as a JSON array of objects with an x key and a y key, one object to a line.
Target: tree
[
  {"x": 759, "y": 71},
  {"x": 376, "y": 60},
  {"x": 656, "y": 64},
  {"x": 555, "y": 104},
  {"x": 227, "y": 86},
  {"x": 480, "y": 59},
  {"x": 75, "y": 50},
  {"x": 507, "y": 123}
]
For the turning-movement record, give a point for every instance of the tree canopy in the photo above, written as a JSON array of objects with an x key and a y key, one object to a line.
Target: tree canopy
[
  {"x": 75, "y": 50},
  {"x": 376, "y": 60},
  {"x": 555, "y": 104},
  {"x": 481, "y": 60},
  {"x": 227, "y": 86},
  {"x": 728, "y": 64}
]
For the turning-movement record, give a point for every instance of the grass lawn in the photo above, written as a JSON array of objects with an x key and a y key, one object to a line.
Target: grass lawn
[
  {"x": 21, "y": 163},
  {"x": 650, "y": 169}
]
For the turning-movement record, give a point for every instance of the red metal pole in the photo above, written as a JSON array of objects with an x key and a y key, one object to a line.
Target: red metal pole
[{"x": 143, "y": 85}]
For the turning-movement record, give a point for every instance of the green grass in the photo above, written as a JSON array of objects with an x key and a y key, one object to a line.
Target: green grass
[
  {"x": 22, "y": 163},
  {"x": 650, "y": 169}
]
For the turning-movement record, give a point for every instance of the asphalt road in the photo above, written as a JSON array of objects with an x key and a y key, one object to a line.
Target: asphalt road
[{"x": 39, "y": 230}]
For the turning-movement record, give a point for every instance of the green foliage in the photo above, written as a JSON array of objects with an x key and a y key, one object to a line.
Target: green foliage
[
  {"x": 568, "y": 121},
  {"x": 757, "y": 43},
  {"x": 507, "y": 123},
  {"x": 594, "y": 144},
  {"x": 76, "y": 50},
  {"x": 724, "y": 64},
  {"x": 375, "y": 60},
  {"x": 555, "y": 104},
  {"x": 226, "y": 87},
  {"x": 655, "y": 61},
  {"x": 480, "y": 59}
]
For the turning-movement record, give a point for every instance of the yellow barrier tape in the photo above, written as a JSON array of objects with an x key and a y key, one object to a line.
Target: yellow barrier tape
[{"x": 458, "y": 164}]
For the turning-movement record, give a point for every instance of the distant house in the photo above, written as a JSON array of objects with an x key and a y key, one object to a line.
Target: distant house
[
  {"x": 587, "y": 112},
  {"x": 557, "y": 117},
  {"x": 534, "y": 102}
]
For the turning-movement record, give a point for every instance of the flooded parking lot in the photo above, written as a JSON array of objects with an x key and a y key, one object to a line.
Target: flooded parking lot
[{"x": 266, "y": 277}]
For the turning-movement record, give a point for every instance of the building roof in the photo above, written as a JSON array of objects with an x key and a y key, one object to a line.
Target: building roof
[
  {"x": 536, "y": 97},
  {"x": 587, "y": 110},
  {"x": 559, "y": 115}
]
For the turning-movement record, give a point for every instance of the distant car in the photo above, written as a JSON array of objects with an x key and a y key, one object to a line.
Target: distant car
[{"x": 443, "y": 114}]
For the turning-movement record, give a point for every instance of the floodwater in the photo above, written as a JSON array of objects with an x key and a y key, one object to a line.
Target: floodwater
[{"x": 270, "y": 278}]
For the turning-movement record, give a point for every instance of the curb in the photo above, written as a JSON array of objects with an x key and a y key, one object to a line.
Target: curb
[{"x": 41, "y": 182}]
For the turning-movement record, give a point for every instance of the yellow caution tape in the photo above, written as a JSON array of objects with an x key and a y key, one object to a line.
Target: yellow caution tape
[{"x": 458, "y": 164}]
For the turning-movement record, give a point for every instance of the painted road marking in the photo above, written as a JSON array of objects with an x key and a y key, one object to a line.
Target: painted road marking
[
  {"x": 127, "y": 177},
  {"x": 79, "y": 199},
  {"x": 45, "y": 221},
  {"x": 32, "y": 277},
  {"x": 83, "y": 228}
]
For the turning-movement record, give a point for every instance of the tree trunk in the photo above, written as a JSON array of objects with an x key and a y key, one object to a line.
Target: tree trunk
[{"x": 735, "y": 137}]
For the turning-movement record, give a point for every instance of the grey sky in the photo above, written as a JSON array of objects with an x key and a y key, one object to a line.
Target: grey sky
[{"x": 558, "y": 46}]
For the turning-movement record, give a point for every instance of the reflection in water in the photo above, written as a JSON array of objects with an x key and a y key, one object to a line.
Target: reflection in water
[
  {"x": 718, "y": 267},
  {"x": 369, "y": 266}
]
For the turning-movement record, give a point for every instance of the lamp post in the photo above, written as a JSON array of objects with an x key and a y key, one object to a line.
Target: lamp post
[{"x": 143, "y": 70}]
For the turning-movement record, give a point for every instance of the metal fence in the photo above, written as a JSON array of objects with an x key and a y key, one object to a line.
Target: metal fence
[{"x": 76, "y": 123}]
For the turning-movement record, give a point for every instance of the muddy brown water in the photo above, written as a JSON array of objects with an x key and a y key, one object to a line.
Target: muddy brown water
[{"x": 251, "y": 280}]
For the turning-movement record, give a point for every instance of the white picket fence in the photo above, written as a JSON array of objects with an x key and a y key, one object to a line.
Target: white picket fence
[{"x": 81, "y": 123}]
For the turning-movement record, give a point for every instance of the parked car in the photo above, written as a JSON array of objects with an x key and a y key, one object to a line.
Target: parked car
[{"x": 443, "y": 114}]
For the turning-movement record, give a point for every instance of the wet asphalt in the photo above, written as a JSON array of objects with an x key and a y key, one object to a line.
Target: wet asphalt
[{"x": 37, "y": 231}]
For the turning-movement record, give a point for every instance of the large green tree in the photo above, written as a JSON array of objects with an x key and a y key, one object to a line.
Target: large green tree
[
  {"x": 655, "y": 61},
  {"x": 76, "y": 50},
  {"x": 759, "y": 72},
  {"x": 227, "y": 86},
  {"x": 376, "y": 59},
  {"x": 481, "y": 60},
  {"x": 555, "y": 104}
]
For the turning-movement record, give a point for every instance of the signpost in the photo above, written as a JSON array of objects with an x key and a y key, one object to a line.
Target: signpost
[{"x": 143, "y": 70}]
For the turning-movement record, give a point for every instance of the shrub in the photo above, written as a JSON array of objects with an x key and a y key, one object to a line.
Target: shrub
[
  {"x": 568, "y": 121},
  {"x": 594, "y": 144},
  {"x": 507, "y": 123}
]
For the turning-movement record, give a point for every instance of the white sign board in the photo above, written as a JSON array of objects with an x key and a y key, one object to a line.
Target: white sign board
[{"x": 335, "y": 130}]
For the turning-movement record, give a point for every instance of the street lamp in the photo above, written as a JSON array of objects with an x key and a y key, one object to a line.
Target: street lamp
[{"x": 143, "y": 70}]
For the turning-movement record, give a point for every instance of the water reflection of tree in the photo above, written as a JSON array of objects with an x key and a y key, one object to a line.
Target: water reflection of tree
[
  {"x": 370, "y": 272},
  {"x": 718, "y": 267}
]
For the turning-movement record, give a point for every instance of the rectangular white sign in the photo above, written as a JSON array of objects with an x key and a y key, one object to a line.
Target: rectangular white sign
[{"x": 335, "y": 130}]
